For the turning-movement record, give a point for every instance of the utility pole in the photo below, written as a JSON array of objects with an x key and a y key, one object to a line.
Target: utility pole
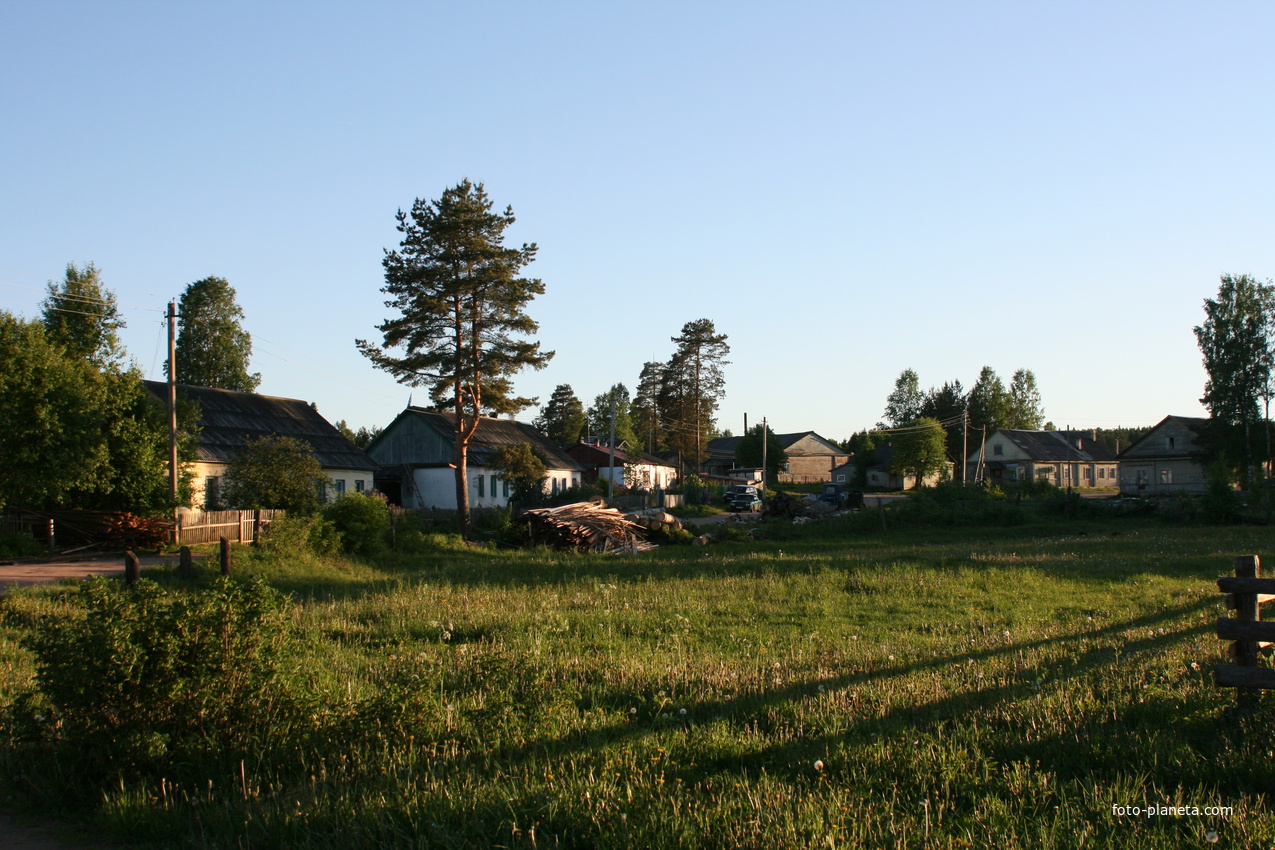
[
  {"x": 765, "y": 434},
  {"x": 965, "y": 447},
  {"x": 611, "y": 463},
  {"x": 172, "y": 410}
]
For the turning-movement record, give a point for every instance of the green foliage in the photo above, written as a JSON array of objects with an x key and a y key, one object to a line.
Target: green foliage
[
  {"x": 645, "y": 409},
  {"x": 136, "y": 672},
  {"x": 82, "y": 316},
  {"x": 362, "y": 520},
  {"x": 988, "y": 402},
  {"x": 599, "y": 417},
  {"x": 1220, "y": 503},
  {"x": 75, "y": 435},
  {"x": 300, "y": 536},
  {"x": 213, "y": 349},
  {"x": 905, "y": 401},
  {"x": 919, "y": 449},
  {"x": 1022, "y": 402},
  {"x": 562, "y": 418},
  {"x": 274, "y": 472},
  {"x": 748, "y": 452},
  {"x": 691, "y": 387},
  {"x": 523, "y": 467}
]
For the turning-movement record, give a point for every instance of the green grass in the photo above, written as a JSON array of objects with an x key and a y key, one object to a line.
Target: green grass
[{"x": 941, "y": 688}]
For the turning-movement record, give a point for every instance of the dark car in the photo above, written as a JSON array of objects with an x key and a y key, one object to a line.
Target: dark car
[{"x": 743, "y": 497}]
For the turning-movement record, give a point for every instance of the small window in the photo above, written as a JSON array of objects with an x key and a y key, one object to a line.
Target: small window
[
  {"x": 212, "y": 493},
  {"x": 505, "y": 488},
  {"x": 481, "y": 481},
  {"x": 493, "y": 486},
  {"x": 358, "y": 485},
  {"x": 1166, "y": 475},
  {"x": 1170, "y": 442},
  {"x": 998, "y": 449},
  {"x": 1102, "y": 472},
  {"x": 841, "y": 477},
  {"x": 339, "y": 485}
]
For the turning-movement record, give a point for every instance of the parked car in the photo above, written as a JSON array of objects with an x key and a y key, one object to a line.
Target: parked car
[{"x": 743, "y": 497}]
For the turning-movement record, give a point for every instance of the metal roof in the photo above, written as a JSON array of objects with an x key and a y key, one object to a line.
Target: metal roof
[{"x": 229, "y": 420}]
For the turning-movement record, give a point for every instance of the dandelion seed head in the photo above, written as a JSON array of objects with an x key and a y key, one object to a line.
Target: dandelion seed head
[{"x": 818, "y": 764}]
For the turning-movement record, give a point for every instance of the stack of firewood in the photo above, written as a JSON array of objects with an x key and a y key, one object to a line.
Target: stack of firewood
[{"x": 586, "y": 527}]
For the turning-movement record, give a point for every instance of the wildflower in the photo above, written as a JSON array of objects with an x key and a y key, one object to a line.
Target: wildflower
[
  {"x": 818, "y": 764},
  {"x": 1211, "y": 837},
  {"x": 1195, "y": 665},
  {"x": 682, "y": 711},
  {"x": 821, "y": 689}
]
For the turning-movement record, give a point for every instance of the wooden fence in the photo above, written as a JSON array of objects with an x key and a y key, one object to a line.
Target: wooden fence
[
  {"x": 195, "y": 527},
  {"x": 1247, "y": 591}
]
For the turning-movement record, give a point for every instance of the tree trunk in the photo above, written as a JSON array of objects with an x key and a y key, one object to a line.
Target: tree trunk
[{"x": 461, "y": 458}]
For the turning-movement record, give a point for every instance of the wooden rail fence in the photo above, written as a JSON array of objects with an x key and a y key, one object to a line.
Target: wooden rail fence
[
  {"x": 210, "y": 526},
  {"x": 1246, "y": 593}
]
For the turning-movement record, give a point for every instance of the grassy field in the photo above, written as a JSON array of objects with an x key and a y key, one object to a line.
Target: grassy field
[{"x": 1012, "y": 687}]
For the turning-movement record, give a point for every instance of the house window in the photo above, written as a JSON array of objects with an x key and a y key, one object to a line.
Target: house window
[
  {"x": 481, "y": 480},
  {"x": 358, "y": 485},
  {"x": 1170, "y": 442},
  {"x": 998, "y": 449},
  {"x": 493, "y": 486},
  {"x": 1102, "y": 472},
  {"x": 212, "y": 493},
  {"x": 1166, "y": 476},
  {"x": 505, "y": 488},
  {"x": 841, "y": 477},
  {"x": 339, "y": 485}
]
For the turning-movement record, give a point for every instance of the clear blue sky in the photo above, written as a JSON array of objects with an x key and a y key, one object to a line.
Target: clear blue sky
[{"x": 846, "y": 189}]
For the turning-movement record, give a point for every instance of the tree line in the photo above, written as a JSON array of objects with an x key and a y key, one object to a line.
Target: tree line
[{"x": 673, "y": 409}]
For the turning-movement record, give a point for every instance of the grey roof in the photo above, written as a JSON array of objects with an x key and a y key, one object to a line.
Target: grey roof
[
  {"x": 724, "y": 447},
  {"x": 229, "y": 420},
  {"x": 493, "y": 434},
  {"x": 1059, "y": 446}
]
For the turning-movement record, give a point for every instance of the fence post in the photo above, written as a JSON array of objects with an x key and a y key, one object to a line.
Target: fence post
[
  {"x": 186, "y": 566},
  {"x": 225, "y": 556},
  {"x": 132, "y": 569},
  {"x": 1247, "y": 610},
  {"x": 256, "y": 527}
]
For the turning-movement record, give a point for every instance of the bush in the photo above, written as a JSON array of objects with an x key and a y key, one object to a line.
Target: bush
[
  {"x": 292, "y": 536},
  {"x": 140, "y": 673},
  {"x": 362, "y": 520}
]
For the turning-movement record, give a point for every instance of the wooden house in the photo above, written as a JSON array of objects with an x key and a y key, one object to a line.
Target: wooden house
[
  {"x": 229, "y": 420},
  {"x": 415, "y": 455},
  {"x": 1063, "y": 458},
  {"x": 811, "y": 458},
  {"x": 1166, "y": 459}
]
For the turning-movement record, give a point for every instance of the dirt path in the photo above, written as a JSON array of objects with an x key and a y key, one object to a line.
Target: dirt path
[
  {"x": 22, "y": 571},
  {"x": 19, "y": 834}
]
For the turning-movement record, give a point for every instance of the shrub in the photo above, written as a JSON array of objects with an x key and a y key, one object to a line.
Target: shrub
[
  {"x": 362, "y": 520},
  {"x": 140, "y": 672},
  {"x": 293, "y": 536}
]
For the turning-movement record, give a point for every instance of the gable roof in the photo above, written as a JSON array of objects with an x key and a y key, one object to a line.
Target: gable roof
[
  {"x": 229, "y": 420},
  {"x": 1060, "y": 446},
  {"x": 589, "y": 453},
  {"x": 724, "y": 447},
  {"x": 491, "y": 435},
  {"x": 1197, "y": 425}
]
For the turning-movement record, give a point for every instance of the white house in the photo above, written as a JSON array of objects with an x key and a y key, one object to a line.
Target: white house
[{"x": 416, "y": 456}]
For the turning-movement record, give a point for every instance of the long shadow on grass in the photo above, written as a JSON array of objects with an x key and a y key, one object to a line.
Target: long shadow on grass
[{"x": 747, "y": 709}]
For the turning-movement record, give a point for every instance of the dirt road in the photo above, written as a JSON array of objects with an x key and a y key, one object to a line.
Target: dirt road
[{"x": 14, "y": 572}]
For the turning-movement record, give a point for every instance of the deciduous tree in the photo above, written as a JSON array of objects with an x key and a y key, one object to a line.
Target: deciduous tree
[
  {"x": 600, "y": 416},
  {"x": 461, "y": 317},
  {"x": 524, "y": 469},
  {"x": 904, "y": 402},
  {"x": 275, "y": 472},
  {"x": 920, "y": 448},
  {"x": 987, "y": 401},
  {"x": 213, "y": 349},
  {"x": 1023, "y": 409},
  {"x": 82, "y": 316}
]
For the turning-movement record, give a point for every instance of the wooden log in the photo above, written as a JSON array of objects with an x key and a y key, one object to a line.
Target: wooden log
[
  {"x": 1247, "y": 631},
  {"x": 132, "y": 569},
  {"x": 1235, "y": 584},
  {"x": 186, "y": 566},
  {"x": 225, "y": 556},
  {"x": 1234, "y": 676}
]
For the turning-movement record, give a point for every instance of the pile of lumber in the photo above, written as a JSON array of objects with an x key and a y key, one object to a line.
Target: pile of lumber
[{"x": 585, "y": 527}]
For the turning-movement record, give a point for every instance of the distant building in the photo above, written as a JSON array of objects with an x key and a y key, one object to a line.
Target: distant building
[
  {"x": 811, "y": 458},
  {"x": 1063, "y": 458},
  {"x": 1166, "y": 459},
  {"x": 633, "y": 469}
]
